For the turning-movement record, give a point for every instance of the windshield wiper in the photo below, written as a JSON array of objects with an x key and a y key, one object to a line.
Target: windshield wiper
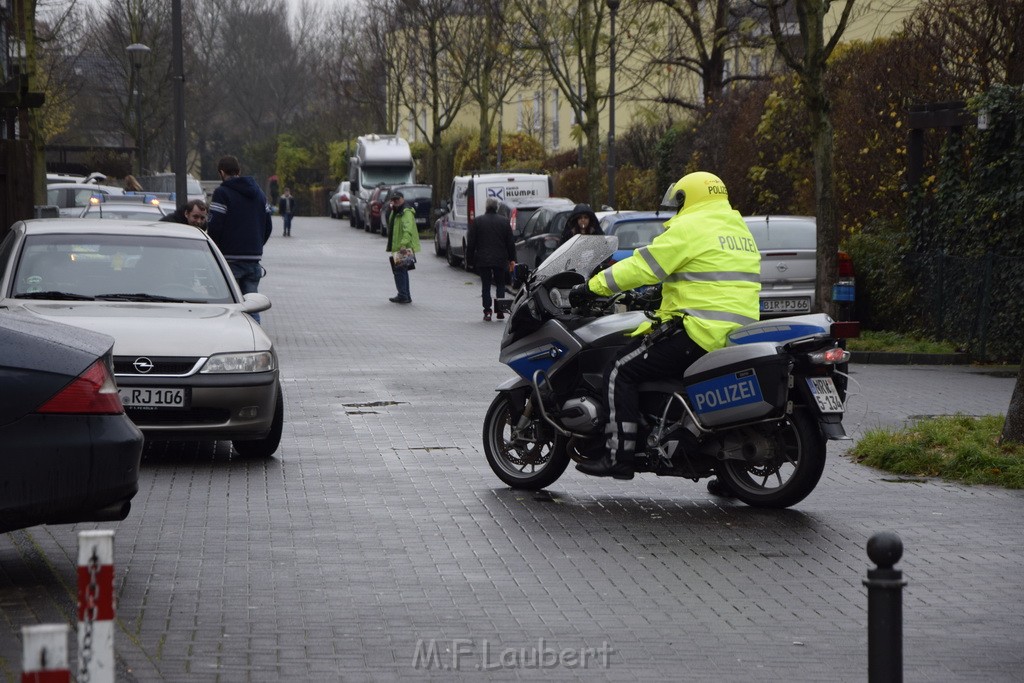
[
  {"x": 140, "y": 296},
  {"x": 65, "y": 296}
]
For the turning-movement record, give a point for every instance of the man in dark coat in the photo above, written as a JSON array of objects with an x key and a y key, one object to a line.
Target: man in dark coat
[
  {"x": 240, "y": 224},
  {"x": 492, "y": 250}
]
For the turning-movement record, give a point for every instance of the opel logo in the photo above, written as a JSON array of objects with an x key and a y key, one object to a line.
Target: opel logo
[
  {"x": 782, "y": 267},
  {"x": 143, "y": 365}
]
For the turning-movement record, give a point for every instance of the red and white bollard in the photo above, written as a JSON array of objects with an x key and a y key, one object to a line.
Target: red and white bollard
[
  {"x": 96, "y": 608},
  {"x": 45, "y": 654}
]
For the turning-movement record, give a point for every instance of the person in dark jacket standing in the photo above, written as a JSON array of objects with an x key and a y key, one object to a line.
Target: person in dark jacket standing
[
  {"x": 240, "y": 224},
  {"x": 286, "y": 207},
  {"x": 492, "y": 250}
]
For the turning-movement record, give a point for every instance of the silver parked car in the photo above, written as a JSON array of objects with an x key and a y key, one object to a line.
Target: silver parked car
[
  {"x": 189, "y": 361},
  {"x": 788, "y": 246},
  {"x": 341, "y": 201}
]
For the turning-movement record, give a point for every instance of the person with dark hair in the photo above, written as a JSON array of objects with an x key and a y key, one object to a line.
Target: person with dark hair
[
  {"x": 491, "y": 249},
  {"x": 286, "y": 207},
  {"x": 193, "y": 213},
  {"x": 582, "y": 221},
  {"x": 240, "y": 224}
]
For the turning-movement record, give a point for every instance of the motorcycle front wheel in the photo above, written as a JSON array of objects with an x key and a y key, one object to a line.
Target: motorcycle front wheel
[
  {"x": 531, "y": 458},
  {"x": 790, "y": 461}
]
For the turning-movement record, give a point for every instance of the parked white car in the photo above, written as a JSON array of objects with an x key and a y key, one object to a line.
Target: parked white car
[
  {"x": 341, "y": 201},
  {"x": 71, "y": 199}
]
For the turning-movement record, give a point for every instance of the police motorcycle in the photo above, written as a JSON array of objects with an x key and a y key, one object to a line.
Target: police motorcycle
[{"x": 756, "y": 414}]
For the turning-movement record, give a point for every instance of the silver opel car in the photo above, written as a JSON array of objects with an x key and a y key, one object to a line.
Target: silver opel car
[{"x": 189, "y": 361}]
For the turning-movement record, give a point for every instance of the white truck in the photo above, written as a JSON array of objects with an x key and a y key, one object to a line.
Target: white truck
[
  {"x": 379, "y": 160},
  {"x": 469, "y": 197}
]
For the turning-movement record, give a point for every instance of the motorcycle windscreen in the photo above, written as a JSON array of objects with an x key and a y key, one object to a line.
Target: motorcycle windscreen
[{"x": 580, "y": 253}]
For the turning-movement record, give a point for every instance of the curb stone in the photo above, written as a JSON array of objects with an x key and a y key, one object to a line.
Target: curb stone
[{"x": 889, "y": 358}]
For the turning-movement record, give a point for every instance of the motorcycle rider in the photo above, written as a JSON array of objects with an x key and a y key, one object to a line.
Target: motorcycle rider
[{"x": 710, "y": 272}]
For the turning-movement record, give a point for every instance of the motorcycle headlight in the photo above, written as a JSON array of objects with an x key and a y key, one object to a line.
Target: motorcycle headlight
[{"x": 256, "y": 361}]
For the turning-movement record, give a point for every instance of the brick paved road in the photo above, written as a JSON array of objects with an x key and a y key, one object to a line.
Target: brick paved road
[{"x": 379, "y": 529}]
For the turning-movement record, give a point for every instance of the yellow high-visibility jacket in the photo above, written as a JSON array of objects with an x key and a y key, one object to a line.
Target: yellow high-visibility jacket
[{"x": 709, "y": 269}]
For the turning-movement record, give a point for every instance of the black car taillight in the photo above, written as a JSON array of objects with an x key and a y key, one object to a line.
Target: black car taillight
[{"x": 91, "y": 393}]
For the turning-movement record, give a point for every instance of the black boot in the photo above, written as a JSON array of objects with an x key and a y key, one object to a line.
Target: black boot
[
  {"x": 621, "y": 469},
  {"x": 717, "y": 487}
]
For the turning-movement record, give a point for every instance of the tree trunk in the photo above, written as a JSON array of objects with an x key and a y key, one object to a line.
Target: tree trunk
[
  {"x": 824, "y": 201},
  {"x": 1013, "y": 428}
]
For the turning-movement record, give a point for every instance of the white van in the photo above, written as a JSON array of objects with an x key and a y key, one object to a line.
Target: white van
[{"x": 469, "y": 198}]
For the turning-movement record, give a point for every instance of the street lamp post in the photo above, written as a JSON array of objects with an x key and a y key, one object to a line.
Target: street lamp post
[
  {"x": 136, "y": 52},
  {"x": 613, "y": 6}
]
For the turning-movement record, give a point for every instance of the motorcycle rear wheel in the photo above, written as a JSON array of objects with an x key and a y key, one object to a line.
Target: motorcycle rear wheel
[
  {"x": 530, "y": 460},
  {"x": 790, "y": 475}
]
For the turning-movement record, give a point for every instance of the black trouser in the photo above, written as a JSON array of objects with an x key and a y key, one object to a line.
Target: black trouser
[
  {"x": 657, "y": 356},
  {"x": 498, "y": 275}
]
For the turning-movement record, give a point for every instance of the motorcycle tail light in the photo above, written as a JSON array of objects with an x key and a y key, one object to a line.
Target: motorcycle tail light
[{"x": 829, "y": 356}]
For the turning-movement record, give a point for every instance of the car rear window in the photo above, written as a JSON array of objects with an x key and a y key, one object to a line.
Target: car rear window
[
  {"x": 633, "y": 234},
  {"x": 783, "y": 234},
  {"x": 415, "y": 192}
]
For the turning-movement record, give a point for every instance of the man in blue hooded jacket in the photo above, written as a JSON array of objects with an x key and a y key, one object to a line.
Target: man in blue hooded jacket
[{"x": 240, "y": 223}]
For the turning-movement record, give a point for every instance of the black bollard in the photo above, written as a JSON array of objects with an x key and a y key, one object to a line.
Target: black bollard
[{"x": 885, "y": 609}]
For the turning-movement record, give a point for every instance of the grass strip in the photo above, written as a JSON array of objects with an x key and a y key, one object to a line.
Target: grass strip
[{"x": 959, "y": 448}]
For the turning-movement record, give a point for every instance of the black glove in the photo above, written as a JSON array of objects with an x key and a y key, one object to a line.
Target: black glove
[{"x": 580, "y": 294}]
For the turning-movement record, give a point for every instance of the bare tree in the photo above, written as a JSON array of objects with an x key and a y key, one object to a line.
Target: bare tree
[
  {"x": 700, "y": 36},
  {"x": 434, "y": 74},
  {"x": 262, "y": 75},
  {"x": 496, "y": 67},
  {"x": 808, "y": 59},
  {"x": 106, "y": 105},
  {"x": 974, "y": 42},
  {"x": 350, "y": 96},
  {"x": 571, "y": 37}
]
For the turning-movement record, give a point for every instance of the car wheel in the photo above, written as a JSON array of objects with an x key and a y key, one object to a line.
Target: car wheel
[
  {"x": 334, "y": 214},
  {"x": 452, "y": 261},
  {"x": 438, "y": 251},
  {"x": 260, "y": 449}
]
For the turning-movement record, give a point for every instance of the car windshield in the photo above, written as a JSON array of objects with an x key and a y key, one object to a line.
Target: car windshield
[
  {"x": 633, "y": 234},
  {"x": 385, "y": 175},
  {"x": 581, "y": 253},
  {"x": 120, "y": 267}
]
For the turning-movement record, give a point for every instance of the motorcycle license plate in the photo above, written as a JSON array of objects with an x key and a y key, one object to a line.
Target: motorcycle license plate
[
  {"x": 153, "y": 397},
  {"x": 825, "y": 394}
]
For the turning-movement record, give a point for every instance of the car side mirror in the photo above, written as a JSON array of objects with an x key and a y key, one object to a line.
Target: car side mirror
[{"x": 255, "y": 302}]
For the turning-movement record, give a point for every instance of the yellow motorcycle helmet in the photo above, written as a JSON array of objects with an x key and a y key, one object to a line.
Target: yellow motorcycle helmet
[{"x": 693, "y": 189}]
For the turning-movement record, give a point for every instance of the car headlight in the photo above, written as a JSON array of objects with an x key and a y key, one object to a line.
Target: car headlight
[{"x": 258, "y": 361}]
